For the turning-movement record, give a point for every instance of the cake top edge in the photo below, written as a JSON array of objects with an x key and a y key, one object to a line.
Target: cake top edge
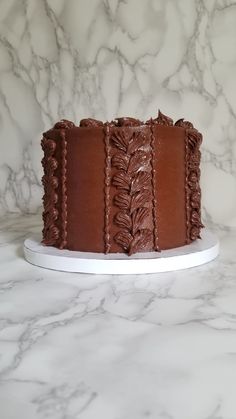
[{"x": 161, "y": 119}]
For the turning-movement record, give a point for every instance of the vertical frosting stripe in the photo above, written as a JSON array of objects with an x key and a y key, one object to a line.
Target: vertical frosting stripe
[
  {"x": 107, "y": 244},
  {"x": 154, "y": 191},
  {"x": 50, "y": 198},
  {"x": 187, "y": 190},
  {"x": 131, "y": 162},
  {"x": 193, "y": 191},
  {"x": 194, "y": 142},
  {"x": 63, "y": 242}
]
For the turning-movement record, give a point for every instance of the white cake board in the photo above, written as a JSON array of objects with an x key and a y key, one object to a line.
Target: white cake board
[{"x": 194, "y": 254}]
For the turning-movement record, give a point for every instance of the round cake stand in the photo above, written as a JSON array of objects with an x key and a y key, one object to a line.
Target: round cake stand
[{"x": 194, "y": 254}]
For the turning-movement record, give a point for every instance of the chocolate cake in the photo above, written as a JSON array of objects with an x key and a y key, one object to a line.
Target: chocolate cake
[{"x": 124, "y": 186}]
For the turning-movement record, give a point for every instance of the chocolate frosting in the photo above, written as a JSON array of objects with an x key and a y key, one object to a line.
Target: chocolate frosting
[
  {"x": 64, "y": 124},
  {"x": 123, "y": 122},
  {"x": 133, "y": 156},
  {"x": 161, "y": 119},
  {"x": 50, "y": 198},
  {"x": 128, "y": 122},
  {"x": 132, "y": 179},
  {"x": 193, "y": 202},
  {"x": 184, "y": 124},
  {"x": 89, "y": 122}
]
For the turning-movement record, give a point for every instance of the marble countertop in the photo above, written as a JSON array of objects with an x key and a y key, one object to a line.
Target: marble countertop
[{"x": 160, "y": 346}]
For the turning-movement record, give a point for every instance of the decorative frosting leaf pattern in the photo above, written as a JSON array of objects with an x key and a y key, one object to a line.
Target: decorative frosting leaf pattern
[
  {"x": 140, "y": 180},
  {"x": 138, "y": 161},
  {"x": 141, "y": 239},
  {"x": 122, "y": 219},
  {"x": 138, "y": 218},
  {"x": 121, "y": 180},
  {"x": 122, "y": 200},
  {"x": 137, "y": 141},
  {"x": 139, "y": 199},
  {"x": 193, "y": 192},
  {"x": 124, "y": 239},
  {"x": 194, "y": 140},
  {"x": 120, "y": 161},
  {"x": 120, "y": 140},
  {"x": 132, "y": 159}
]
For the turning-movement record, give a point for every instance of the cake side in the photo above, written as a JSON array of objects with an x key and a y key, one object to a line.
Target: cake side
[
  {"x": 122, "y": 186},
  {"x": 131, "y": 190},
  {"x": 51, "y": 181},
  {"x": 170, "y": 177},
  {"x": 193, "y": 140},
  {"x": 85, "y": 189},
  {"x": 54, "y": 162}
]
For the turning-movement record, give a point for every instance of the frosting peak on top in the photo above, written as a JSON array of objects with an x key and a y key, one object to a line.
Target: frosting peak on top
[
  {"x": 125, "y": 122},
  {"x": 161, "y": 119},
  {"x": 64, "y": 124},
  {"x": 128, "y": 122},
  {"x": 90, "y": 122}
]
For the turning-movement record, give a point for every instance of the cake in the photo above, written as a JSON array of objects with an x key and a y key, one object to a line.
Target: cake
[{"x": 124, "y": 186}]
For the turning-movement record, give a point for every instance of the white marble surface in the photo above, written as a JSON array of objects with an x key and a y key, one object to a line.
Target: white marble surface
[
  {"x": 107, "y": 58},
  {"x": 115, "y": 347}
]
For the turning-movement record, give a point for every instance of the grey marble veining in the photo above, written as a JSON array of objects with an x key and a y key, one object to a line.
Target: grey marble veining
[
  {"x": 160, "y": 346},
  {"x": 108, "y": 58}
]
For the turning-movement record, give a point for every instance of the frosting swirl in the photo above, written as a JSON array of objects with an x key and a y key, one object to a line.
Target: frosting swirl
[{"x": 90, "y": 122}]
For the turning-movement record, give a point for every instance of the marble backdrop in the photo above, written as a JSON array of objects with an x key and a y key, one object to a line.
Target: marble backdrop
[{"x": 108, "y": 58}]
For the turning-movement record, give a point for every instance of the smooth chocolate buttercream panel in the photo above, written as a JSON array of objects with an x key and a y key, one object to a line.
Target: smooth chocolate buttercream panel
[
  {"x": 170, "y": 186},
  {"x": 85, "y": 189}
]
